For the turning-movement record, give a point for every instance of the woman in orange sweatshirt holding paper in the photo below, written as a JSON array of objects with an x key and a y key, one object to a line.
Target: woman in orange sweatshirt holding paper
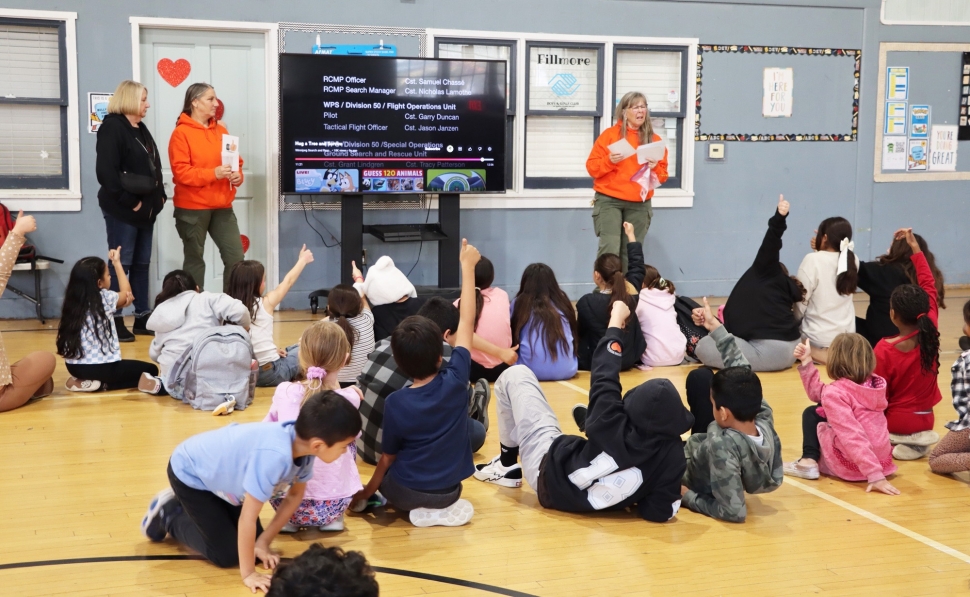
[
  {"x": 619, "y": 198},
  {"x": 204, "y": 185}
]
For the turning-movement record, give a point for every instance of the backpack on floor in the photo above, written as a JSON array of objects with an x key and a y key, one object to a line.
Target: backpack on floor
[
  {"x": 684, "y": 306},
  {"x": 217, "y": 367}
]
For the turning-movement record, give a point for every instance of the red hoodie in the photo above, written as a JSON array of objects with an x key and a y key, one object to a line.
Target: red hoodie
[{"x": 195, "y": 151}]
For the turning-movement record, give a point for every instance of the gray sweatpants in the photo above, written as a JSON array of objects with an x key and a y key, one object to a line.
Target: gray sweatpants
[
  {"x": 764, "y": 355},
  {"x": 525, "y": 419}
]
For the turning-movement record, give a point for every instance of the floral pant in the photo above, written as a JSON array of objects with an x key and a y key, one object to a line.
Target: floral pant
[{"x": 315, "y": 513}]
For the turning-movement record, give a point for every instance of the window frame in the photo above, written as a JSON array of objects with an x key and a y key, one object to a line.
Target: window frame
[
  {"x": 56, "y": 193},
  {"x": 674, "y": 178}
]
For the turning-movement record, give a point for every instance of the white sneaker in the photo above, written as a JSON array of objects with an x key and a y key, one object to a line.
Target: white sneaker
[
  {"x": 335, "y": 526},
  {"x": 290, "y": 528},
  {"x": 907, "y": 452},
  {"x": 793, "y": 469},
  {"x": 149, "y": 384},
  {"x": 82, "y": 385},
  {"x": 921, "y": 438},
  {"x": 495, "y": 472},
  {"x": 225, "y": 408},
  {"x": 454, "y": 515}
]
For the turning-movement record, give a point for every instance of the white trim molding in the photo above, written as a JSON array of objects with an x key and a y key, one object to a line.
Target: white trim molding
[
  {"x": 518, "y": 197},
  {"x": 270, "y": 32},
  {"x": 39, "y": 200}
]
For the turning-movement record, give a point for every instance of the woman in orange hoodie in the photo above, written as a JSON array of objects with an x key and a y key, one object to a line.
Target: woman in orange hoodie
[
  {"x": 204, "y": 186},
  {"x": 619, "y": 199}
]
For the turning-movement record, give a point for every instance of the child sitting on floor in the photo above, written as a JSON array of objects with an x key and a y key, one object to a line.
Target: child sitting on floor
[
  {"x": 634, "y": 454},
  {"x": 734, "y": 449},
  {"x": 845, "y": 435},
  {"x": 910, "y": 362},
  {"x": 391, "y": 295},
  {"x": 323, "y": 351},
  {"x": 492, "y": 323},
  {"x": 952, "y": 454},
  {"x": 349, "y": 309},
  {"x": 666, "y": 343},
  {"x": 544, "y": 325}
]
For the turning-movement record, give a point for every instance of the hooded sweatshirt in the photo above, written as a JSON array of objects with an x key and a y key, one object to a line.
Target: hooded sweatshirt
[
  {"x": 614, "y": 180},
  {"x": 633, "y": 454},
  {"x": 854, "y": 438},
  {"x": 178, "y": 322},
  {"x": 723, "y": 464},
  {"x": 666, "y": 343},
  {"x": 125, "y": 148},
  {"x": 195, "y": 151}
]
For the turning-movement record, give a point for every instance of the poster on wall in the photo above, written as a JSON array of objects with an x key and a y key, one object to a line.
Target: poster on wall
[
  {"x": 895, "y": 118},
  {"x": 894, "y": 153},
  {"x": 964, "y": 130},
  {"x": 897, "y": 83},
  {"x": 563, "y": 79},
  {"x": 916, "y": 158},
  {"x": 97, "y": 110},
  {"x": 943, "y": 148},
  {"x": 919, "y": 121},
  {"x": 777, "y": 100}
]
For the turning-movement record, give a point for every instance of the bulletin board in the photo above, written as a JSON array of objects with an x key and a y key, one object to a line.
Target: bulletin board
[
  {"x": 825, "y": 95},
  {"x": 935, "y": 79}
]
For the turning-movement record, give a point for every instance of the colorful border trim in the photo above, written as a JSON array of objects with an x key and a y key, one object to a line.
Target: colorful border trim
[{"x": 837, "y": 52}]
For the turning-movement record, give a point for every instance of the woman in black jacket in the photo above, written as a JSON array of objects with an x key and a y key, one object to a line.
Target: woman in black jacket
[
  {"x": 593, "y": 310},
  {"x": 129, "y": 170}
]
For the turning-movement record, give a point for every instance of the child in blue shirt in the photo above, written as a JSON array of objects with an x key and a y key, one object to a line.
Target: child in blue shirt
[
  {"x": 220, "y": 480},
  {"x": 426, "y": 449}
]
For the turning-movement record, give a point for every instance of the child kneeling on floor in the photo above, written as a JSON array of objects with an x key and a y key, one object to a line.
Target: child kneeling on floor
[
  {"x": 221, "y": 478},
  {"x": 427, "y": 453},
  {"x": 634, "y": 454},
  {"x": 845, "y": 435},
  {"x": 733, "y": 448},
  {"x": 324, "y": 350}
]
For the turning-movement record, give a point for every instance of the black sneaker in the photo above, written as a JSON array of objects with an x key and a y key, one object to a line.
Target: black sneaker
[
  {"x": 579, "y": 415},
  {"x": 478, "y": 408},
  {"x": 139, "y": 328},
  {"x": 124, "y": 335},
  {"x": 162, "y": 509},
  {"x": 964, "y": 343}
]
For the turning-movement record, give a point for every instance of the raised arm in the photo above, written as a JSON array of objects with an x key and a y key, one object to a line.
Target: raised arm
[
  {"x": 636, "y": 270},
  {"x": 769, "y": 254},
  {"x": 924, "y": 275},
  {"x": 276, "y": 296},
  {"x": 124, "y": 288},
  {"x": 606, "y": 414},
  {"x": 466, "y": 311},
  {"x": 725, "y": 341}
]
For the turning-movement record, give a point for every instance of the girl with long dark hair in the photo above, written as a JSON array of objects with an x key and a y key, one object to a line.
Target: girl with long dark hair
[
  {"x": 349, "y": 309},
  {"x": 86, "y": 336},
  {"x": 544, "y": 325}
]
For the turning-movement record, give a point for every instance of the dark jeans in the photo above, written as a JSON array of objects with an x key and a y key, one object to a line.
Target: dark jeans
[
  {"x": 699, "y": 398},
  {"x": 207, "y": 524},
  {"x": 405, "y": 498},
  {"x": 136, "y": 256},
  {"x": 118, "y": 375},
  {"x": 478, "y": 371},
  {"x": 811, "y": 448}
]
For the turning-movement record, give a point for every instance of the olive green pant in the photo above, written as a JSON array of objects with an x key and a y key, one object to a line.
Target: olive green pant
[
  {"x": 193, "y": 225},
  {"x": 608, "y": 217}
]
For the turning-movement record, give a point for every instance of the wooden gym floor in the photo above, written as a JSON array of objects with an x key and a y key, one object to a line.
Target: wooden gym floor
[{"x": 77, "y": 472}]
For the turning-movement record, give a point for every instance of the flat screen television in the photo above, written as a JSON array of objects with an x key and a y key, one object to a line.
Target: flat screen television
[{"x": 369, "y": 125}]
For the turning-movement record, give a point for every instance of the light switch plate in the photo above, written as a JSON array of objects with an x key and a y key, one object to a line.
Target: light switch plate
[{"x": 715, "y": 151}]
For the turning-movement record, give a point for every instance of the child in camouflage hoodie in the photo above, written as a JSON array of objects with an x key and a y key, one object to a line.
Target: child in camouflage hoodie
[{"x": 733, "y": 447}]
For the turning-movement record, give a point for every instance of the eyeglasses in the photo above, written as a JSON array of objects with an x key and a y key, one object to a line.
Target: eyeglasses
[{"x": 638, "y": 108}]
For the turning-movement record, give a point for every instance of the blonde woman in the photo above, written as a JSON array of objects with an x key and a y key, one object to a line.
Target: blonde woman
[
  {"x": 129, "y": 170},
  {"x": 619, "y": 199}
]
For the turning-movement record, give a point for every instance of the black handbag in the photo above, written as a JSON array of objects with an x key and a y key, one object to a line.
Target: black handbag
[{"x": 138, "y": 184}]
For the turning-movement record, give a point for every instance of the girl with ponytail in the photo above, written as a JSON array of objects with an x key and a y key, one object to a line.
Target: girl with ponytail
[
  {"x": 493, "y": 323},
  {"x": 350, "y": 310},
  {"x": 611, "y": 286},
  {"x": 830, "y": 275},
  {"x": 910, "y": 361},
  {"x": 324, "y": 350}
]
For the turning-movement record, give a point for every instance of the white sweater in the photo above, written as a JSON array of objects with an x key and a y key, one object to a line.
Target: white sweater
[{"x": 825, "y": 313}]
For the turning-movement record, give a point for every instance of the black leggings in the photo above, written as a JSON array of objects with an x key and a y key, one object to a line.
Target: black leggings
[
  {"x": 118, "y": 375},
  {"x": 478, "y": 371},
  {"x": 699, "y": 398},
  {"x": 207, "y": 523},
  {"x": 811, "y": 448}
]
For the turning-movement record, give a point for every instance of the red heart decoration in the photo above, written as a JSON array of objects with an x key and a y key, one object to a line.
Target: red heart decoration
[
  {"x": 174, "y": 72},
  {"x": 245, "y": 242},
  {"x": 220, "y": 109}
]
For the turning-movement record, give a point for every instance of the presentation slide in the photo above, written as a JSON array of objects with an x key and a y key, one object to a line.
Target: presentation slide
[{"x": 357, "y": 124}]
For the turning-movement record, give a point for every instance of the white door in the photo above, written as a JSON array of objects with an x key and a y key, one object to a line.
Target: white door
[{"x": 233, "y": 63}]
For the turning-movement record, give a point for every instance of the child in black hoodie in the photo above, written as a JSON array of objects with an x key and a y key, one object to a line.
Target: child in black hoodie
[{"x": 634, "y": 454}]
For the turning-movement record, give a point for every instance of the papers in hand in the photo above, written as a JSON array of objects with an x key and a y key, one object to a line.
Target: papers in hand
[
  {"x": 623, "y": 148},
  {"x": 652, "y": 152},
  {"x": 230, "y": 152}
]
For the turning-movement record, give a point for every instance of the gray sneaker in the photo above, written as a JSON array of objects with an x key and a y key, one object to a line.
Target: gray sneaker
[{"x": 478, "y": 406}]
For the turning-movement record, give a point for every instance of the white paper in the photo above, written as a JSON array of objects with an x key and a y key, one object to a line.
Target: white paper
[
  {"x": 777, "y": 100},
  {"x": 653, "y": 152},
  {"x": 230, "y": 152},
  {"x": 623, "y": 148},
  {"x": 943, "y": 148},
  {"x": 894, "y": 153}
]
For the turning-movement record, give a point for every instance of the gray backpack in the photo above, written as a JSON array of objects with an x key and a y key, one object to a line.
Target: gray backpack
[{"x": 217, "y": 367}]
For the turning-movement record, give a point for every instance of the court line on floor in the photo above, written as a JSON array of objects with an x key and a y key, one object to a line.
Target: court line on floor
[
  {"x": 851, "y": 508},
  {"x": 382, "y": 569}
]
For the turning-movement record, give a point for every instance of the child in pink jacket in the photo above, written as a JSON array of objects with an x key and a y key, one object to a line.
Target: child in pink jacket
[
  {"x": 666, "y": 343},
  {"x": 846, "y": 435}
]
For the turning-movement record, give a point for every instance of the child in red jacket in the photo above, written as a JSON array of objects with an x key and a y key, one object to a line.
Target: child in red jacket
[{"x": 845, "y": 435}]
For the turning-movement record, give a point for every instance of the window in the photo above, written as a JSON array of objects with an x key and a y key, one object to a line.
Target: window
[
  {"x": 657, "y": 72},
  {"x": 490, "y": 50},
  {"x": 563, "y": 109},
  {"x": 38, "y": 115}
]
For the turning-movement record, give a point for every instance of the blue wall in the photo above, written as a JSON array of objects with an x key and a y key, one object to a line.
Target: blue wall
[{"x": 703, "y": 249}]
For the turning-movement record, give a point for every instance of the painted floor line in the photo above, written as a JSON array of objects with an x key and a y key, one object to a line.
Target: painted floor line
[{"x": 854, "y": 509}]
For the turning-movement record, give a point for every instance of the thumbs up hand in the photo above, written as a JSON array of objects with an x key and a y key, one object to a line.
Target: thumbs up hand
[{"x": 803, "y": 352}]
